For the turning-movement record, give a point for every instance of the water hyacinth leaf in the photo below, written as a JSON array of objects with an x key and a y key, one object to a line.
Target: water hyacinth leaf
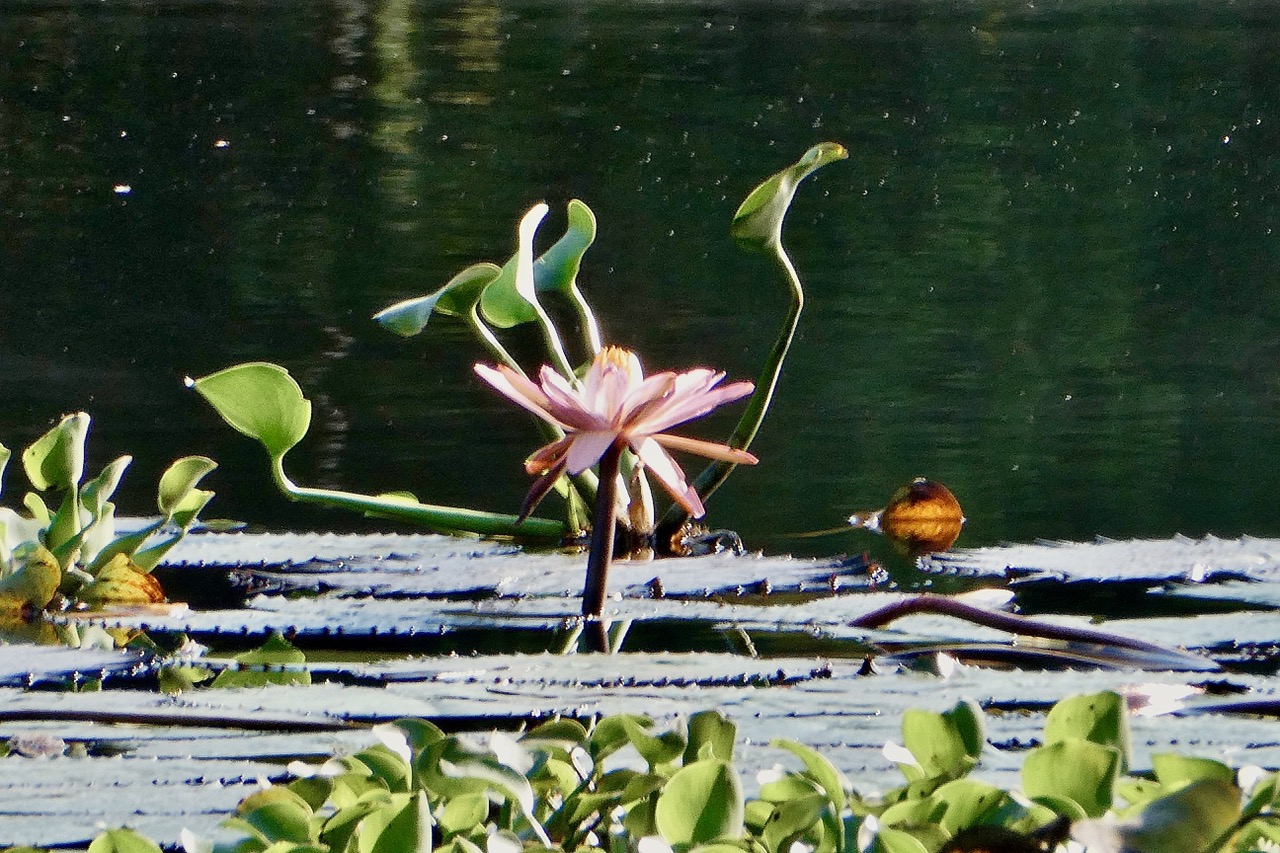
[
  {"x": 419, "y": 733},
  {"x": 262, "y": 401},
  {"x": 277, "y": 814},
  {"x": 1190, "y": 820},
  {"x": 1098, "y": 717},
  {"x": 657, "y": 750},
  {"x": 944, "y": 745},
  {"x": 792, "y": 819},
  {"x": 1174, "y": 770},
  {"x": 449, "y": 768},
  {"x": 178, "y": 480},
  {"x": 758, "y": 220},
  {"x": 56, "y": 459},
  {"x": 1075, "y": 770},
  {"x": 457, "y": 298},
  {"x": 120, "y": 581},
  {"x": 122, "y": 841},
  {"x": 33, "y": 585},
  {"x": 277, "y": 661},
  {"x": 402, "y": 825},
  {"x": 913, "y": 811},
  {"x": 386, "y": 764},
  {"x": 508, "y": 302},
  {"x": 889, "y": 840},
  {"x": 821, "y": 770},
  {"x": 968, "y": 802},
  {"x": 611, "y": 734},
  {"x": 95, "y": 494},
  {"x": 564, "y": 732},
  {"x": 463, "y": 814},
  {"x": 702, "y": 803},
  {"x": 710, "y": 732}
]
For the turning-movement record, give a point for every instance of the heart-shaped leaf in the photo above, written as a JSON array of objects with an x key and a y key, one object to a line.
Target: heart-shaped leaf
[
  {"x": 457, "y": 298},
  {"x": 56, "y": 459},
  {"x": 702, "y": 803},
  {"x": 262, "y": 401},
  {"x": 758, "y": 221}
]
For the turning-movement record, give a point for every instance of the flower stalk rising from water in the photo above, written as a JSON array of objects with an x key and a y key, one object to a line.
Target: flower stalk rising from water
[{"x": 615, "y": 408}]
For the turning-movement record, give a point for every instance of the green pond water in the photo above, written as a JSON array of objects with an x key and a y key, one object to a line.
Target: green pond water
[{"x": 1045, "y": 276}]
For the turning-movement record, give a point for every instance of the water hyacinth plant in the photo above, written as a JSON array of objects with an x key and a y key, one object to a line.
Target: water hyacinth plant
[
  {"x": 69, "y": 547},
  {"x": 262, "y": 400}
]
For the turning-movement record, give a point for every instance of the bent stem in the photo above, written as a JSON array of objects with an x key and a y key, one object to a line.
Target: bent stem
[
  {"x": 442, "y": 518},
  {"x": 602, "y": 530}
]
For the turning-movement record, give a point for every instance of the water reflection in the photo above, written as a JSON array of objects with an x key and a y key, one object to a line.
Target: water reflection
[{"x": 1041, "y": 278}]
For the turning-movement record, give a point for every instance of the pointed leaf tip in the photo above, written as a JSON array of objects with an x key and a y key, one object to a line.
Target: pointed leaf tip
[{"x": 758, "y": 221}]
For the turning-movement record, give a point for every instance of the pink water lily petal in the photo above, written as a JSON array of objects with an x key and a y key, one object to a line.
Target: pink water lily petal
[
  {"x": 564, "y": 402},
  {"x": 541, "y": 486},
  {"x": 587, "y": 448},
  {"x": 669, "y": 473},
  {"x": 653, "y": 393},
  {"x": 709, "y": 449},
  {"x": 519, "y": 389},
  {"x": 548, "y": 456},
  {"x": 687, "y": 407}
]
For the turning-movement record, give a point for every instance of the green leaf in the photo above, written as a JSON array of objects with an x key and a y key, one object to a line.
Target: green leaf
[
  {"x": 449, "y": 768},
  {"x": 945, "y": 745},
  {"x": 386, "y": 765},
  {"x": 465, "y": 813},
  {"x": 122, "y": 841},
  {"x": 178, "y": 481},
  {"x": 821, "y": 770},
  {"x": 611, "y": 734},
  {"x": 274, "y": 662},
  {"x": 1100, "y": 718},
  {"x": 95, "y": 494},
  {"x": 5, "y": 454},
  {"x": 657, "y": 750},
  {"x": 34, "y": 584},
  {"x": 457, "y": 298},
  {"x": 56, "y": 459},
  {"x": 758, "y": 221},
  {"x": 507, "y": 302},
  {"x": 702, "y": 803},
  {"x": 713, "y": 732},
  {"x": 969, "y": 803},
  {"x": 277, "y": 814},
  {"x": 1174, "y": 771},
  {"x": 889, "y": 840},
  {"x": 260, "y": 400},
  {"x": 1189, "y": 820},
  {"x": 401, "y": 826},
  {"x": 792, "y": 819},
  {"x": 1077, "y": 770}
]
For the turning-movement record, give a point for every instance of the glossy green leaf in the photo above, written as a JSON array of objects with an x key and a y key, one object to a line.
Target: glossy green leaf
[
  {"x": 1173, "y": 770},
  {"x": 889, "y": 840},
  {"x": 56, "y": 459},
  {"x": 387, "y": 765},
  {"x": 465, "y": 813},
  {"x": 711, "y": 735},
  {"x": 821, "y": 770},
  {"x": 944, "y": 745},
  {"x": 702, "y": 803},
  {"x": 758, "y": 220},
  {"x": 277, "y": 814},
  {"x": 122, "y": 841},
  {"x": 505, "y": 306},
  {"x": 792, "y": 819},
  {"x": 457, "y": 298},
  {"x": 1189, "y": 820},
  {"x": 419, "y": 733},
  {"x": 449, "y": 768},
  {"x": 403, "y": 825},
  {"x": 968, "y": 802},
  {"x": 913, "y": 811},
  {"x": 611, "y": 734},
  {"x": 655, "y": 749},
  {"x": 95, "y": 494},
  {"x": 1077, "y": 770},
  {"x": 260, "y": 400},
  {"x": 1100, "y": 718},
  {"x": 178, "y": 480}
]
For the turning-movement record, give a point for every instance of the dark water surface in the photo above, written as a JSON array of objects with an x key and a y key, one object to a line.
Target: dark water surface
[{"x": 1045, "y": 276}]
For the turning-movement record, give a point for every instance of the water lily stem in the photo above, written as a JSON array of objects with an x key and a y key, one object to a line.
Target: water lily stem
[{"x": 602, "y": 529}]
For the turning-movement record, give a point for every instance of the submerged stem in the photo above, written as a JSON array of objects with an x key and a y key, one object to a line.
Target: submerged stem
[{"x": 602, "y": 529}]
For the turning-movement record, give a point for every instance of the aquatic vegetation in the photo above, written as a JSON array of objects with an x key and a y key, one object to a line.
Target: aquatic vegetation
[
  {"x": 74, "y": 554},
  {"x": 617, "y": 409},
  {"x": 619, "y": 783},
  {"x": 262, "y": 400}
]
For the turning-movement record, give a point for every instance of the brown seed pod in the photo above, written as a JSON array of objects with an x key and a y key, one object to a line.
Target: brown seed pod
[{"x": 922, "y": 516}]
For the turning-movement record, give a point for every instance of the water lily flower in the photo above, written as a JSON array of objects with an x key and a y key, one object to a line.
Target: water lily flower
[{"x": 617, "y": 405}]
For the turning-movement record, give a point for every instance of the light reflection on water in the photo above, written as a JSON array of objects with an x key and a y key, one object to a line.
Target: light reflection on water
[{"x": 1043, "y": 278}]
